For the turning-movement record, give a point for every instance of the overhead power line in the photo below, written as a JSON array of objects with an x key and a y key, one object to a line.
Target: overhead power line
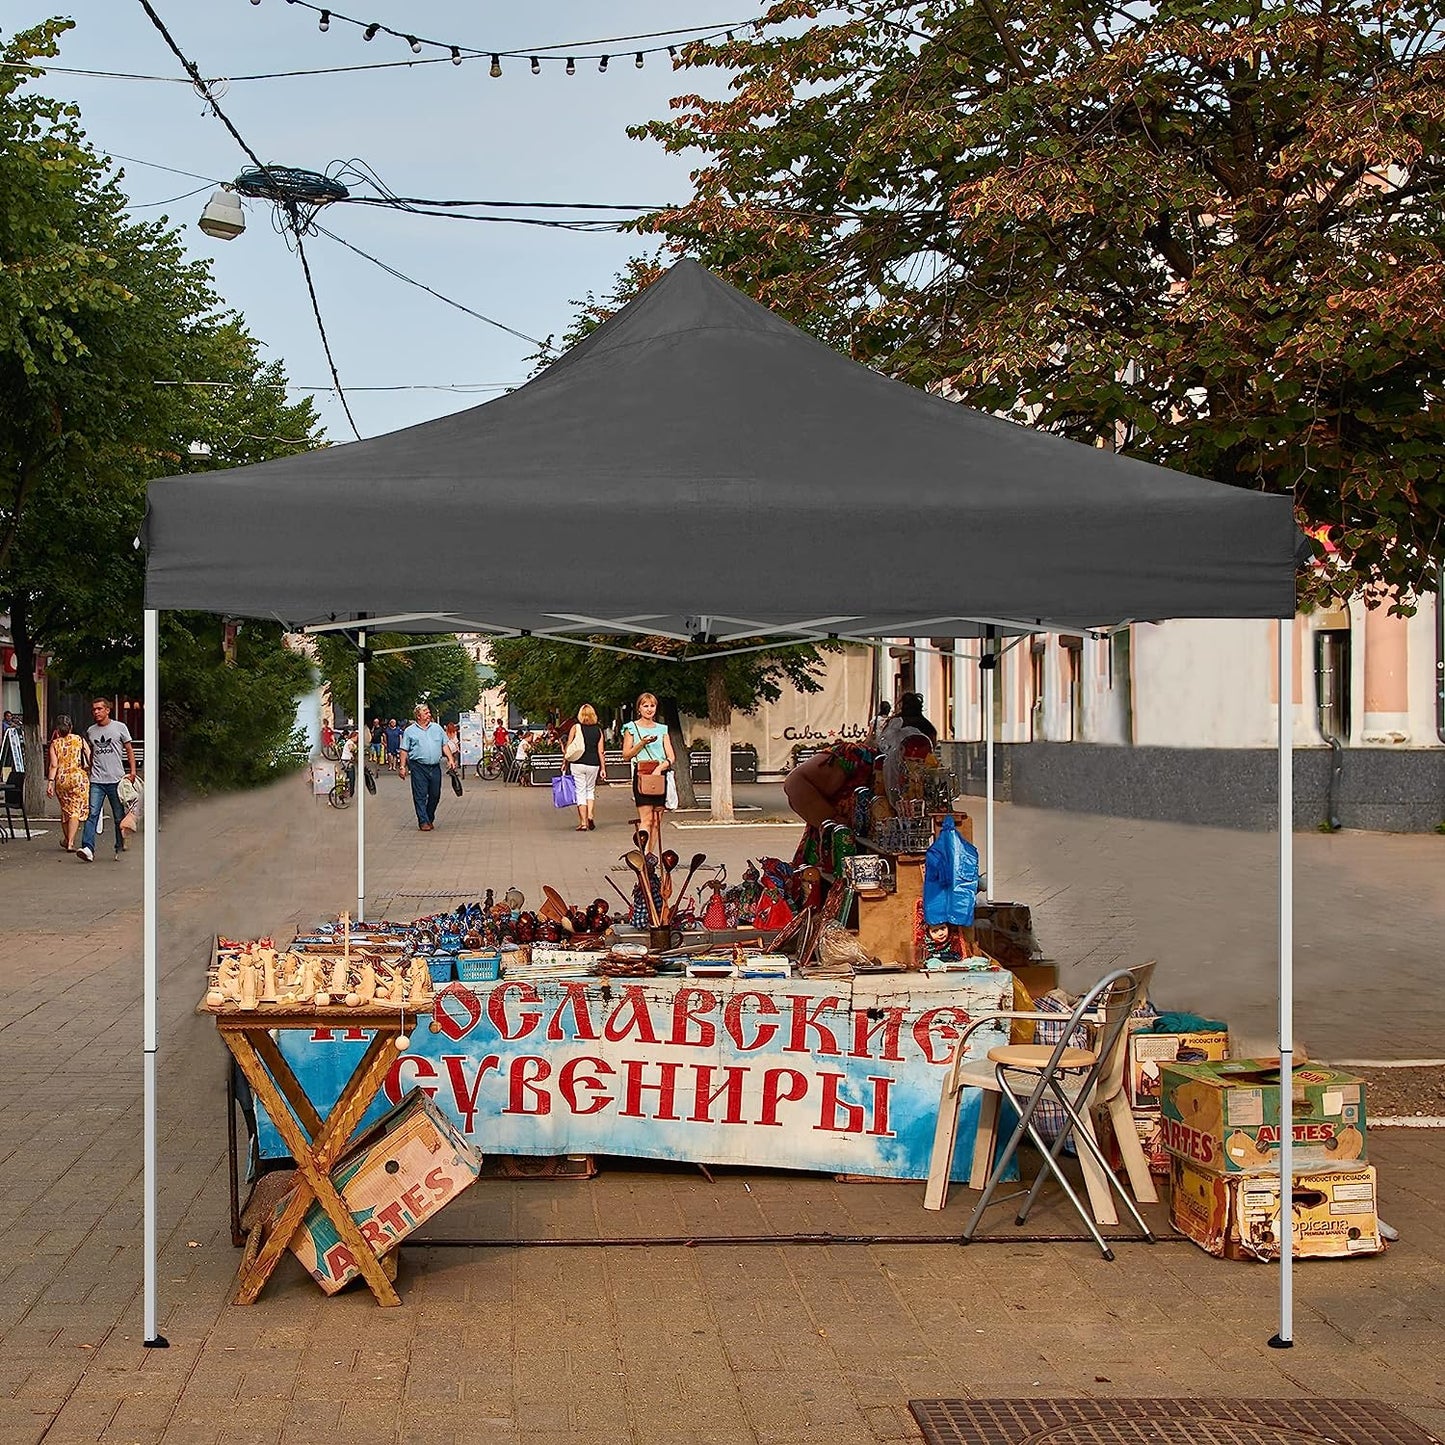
[
  {"x": 169, "y": 201},
  {"x": 462, "y": 386},
  {"x": 195, "y": 74},
  {"x": 411, "y": 281}
]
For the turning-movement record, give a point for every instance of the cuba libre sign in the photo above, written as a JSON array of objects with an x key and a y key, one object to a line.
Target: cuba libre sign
[{"x": 849, "y": 732}]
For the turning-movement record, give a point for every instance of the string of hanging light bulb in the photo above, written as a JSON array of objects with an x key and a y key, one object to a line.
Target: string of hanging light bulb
[{"x": 537, "y": 55}]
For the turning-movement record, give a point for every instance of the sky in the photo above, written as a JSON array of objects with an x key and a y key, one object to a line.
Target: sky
[{"x": 437, "y": 131}]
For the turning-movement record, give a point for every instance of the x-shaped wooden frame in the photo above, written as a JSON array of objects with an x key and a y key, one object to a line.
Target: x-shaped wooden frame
[{"x": 314, "y": 1143}]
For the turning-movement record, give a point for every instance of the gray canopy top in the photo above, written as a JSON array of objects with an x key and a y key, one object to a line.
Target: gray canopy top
[{"x": 697, "y": 464}]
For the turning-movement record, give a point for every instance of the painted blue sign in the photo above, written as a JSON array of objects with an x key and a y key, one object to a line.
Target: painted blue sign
[{"x": 841, "y": 1076}]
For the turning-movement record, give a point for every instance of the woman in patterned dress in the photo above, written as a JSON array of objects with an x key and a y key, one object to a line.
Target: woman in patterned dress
[
  {"x": 69, "y": 780},
  {"x": 820, "y": 790}
]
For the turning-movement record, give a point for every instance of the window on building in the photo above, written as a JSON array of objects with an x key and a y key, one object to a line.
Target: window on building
[
  {"x": 1121, "y": 679},
  {"x": 1038, "y": 652},
  {"x": 1332, "y": 684},
  {"x": 1073, "y": 656}
]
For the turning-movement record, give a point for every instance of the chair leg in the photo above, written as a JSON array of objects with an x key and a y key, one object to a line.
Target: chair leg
[
  {"x": 1026, "y": 1110},
  {"x": 1052, "y": 1158},
  {"x": 945, "y": 1138},
  {"x": 1096, "y": 1174},
  {"x": 985, "y": 1139},
  {"x": 1096, "y": 1167},
  {"x": 1135, "y": 1164}
]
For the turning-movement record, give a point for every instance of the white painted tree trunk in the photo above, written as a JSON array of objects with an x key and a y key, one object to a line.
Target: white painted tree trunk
[{"x": 720, "y": 724}]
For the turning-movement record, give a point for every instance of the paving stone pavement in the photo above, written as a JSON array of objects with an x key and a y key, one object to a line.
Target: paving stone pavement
[{"x": 766, "y": 1344}]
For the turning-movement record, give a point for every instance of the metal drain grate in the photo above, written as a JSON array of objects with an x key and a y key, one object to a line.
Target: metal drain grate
[{"x": 1164, "y": 1422}]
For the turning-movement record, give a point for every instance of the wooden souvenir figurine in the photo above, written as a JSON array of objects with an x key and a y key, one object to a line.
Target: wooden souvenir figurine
[
  {"x": 418, "y": 979},
  {"x": 267, "y": 957},
  {"x": 249, "y": 983}
]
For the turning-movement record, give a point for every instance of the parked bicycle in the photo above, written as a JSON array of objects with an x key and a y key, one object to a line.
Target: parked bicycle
[
  {"x": 344, "y": 788},
  {"x": 495, "y": 762}
]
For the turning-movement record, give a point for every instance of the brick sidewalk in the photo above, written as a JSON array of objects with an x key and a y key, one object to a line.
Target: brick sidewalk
[{"x": 750, "y": 1343}]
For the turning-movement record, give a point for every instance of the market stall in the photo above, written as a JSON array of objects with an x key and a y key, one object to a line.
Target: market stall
[
  {"x": 781, "y": 491},
  {"x": 838, "y": 1075}
]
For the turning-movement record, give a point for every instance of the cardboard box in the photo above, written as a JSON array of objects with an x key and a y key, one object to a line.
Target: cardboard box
[
  {"x": 1224, "y": 1117},
  {"x": 1332, "y": 1213},
  {"x": 1148, "y": 1053},
  {"x": 409, "y": 1164},
  {"x": 1149, "y": 1128}
]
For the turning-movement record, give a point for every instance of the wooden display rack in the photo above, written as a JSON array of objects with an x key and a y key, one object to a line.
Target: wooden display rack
[
  {"x": 885, "y": 923},
  {"x": 315, "y": 1143}
]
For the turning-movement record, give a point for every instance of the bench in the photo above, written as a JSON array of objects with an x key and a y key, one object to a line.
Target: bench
[{"x": 543, "y": 767}]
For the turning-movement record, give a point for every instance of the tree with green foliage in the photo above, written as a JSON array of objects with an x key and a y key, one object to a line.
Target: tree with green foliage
[
  {"x": 542, "y": 676},
  {"x": 436, "y": 670},
  {"x": 102, "y": 319},
  {"x": 1209, "y": 233}
]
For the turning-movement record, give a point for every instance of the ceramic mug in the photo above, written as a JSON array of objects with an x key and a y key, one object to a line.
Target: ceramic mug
[
  {"x": 662, "y": 938},
  {"x": 869, "y": 873}
]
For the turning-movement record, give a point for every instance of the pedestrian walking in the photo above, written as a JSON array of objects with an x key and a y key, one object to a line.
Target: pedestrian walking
[
  {"x": 112, "y": 756},
  {"x": 378, "y": 742},
  {"x": 588, "y": 764},
  {"x": 69, "y": 781},
  {"x": 646, "y": 740},
  {"x": 424, "y": 745},
  {"x": 393, "y": 743}
]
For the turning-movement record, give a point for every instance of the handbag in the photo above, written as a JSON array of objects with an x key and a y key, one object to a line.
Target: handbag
[
  {"x": 653, "y": 783},
  {"x": 564, "y": 791},
  {"x": 576, "y": 745}
]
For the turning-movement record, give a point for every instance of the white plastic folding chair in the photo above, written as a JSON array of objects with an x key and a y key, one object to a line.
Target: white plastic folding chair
[{"x": 1074, "y": 1081}]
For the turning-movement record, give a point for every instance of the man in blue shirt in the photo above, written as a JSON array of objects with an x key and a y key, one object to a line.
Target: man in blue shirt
[
  {"x": 394, "y": 731},
  {"x": 424, "y": 745}
]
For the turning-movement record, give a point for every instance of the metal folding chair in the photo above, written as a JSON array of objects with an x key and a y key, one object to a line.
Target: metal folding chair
[{"x": 1073, "y": 1081}]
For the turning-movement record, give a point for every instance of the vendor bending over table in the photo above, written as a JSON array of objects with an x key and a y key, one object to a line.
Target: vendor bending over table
[{"x": 820, "y": 789}]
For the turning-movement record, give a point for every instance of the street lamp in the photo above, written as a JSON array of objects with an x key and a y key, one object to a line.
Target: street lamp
[{"x": 223, "y": 217}]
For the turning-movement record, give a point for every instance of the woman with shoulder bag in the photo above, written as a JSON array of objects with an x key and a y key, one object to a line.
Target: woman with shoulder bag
[
  {"x": 646, "y": 745},
  {"x": 69, "y": 780},
  {"x": 585, "y": 759}
]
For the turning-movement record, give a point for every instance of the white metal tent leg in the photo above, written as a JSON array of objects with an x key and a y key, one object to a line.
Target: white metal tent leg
[
  {"x": 990, "y": 874},
  {"x": 363, "y": 747},
  {"x": 1285, "y": 634},
  {"x": 149, "y": 836}
]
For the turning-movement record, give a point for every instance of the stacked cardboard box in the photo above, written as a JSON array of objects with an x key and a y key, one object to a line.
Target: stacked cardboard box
[
  {"x": 1147, "y": 1054},
  {"x": 1220, "y": 1123}
]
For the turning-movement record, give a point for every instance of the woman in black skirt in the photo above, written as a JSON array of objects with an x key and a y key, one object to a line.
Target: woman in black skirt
[{"x": 646, "y": 745}]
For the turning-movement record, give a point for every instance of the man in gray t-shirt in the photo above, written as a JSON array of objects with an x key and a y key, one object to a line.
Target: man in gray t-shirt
[{"x": 112, "y": 756}]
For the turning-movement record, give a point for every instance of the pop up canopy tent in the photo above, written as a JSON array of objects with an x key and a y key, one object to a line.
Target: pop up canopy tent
[{"x": 701, "y": 469}]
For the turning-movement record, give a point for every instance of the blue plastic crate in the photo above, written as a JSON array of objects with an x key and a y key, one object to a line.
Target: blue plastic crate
[
  {"x": 440, "y": 968},
  {"x": 478, "y": 967}
]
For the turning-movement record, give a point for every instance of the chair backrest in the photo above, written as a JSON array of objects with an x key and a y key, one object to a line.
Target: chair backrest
[
  {"x": 1114, "y": 997},
  {"x": 1124, "y": 996}
]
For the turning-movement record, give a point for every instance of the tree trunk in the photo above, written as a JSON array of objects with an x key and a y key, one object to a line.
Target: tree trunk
[
  {"x": 686, "y": 798},
  {"x": 720, "y": 722},
  {"x": 29, "y": 708}
]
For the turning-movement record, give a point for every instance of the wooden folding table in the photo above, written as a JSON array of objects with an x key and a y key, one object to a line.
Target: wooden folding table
[{"x": 315, "y": 1143}]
